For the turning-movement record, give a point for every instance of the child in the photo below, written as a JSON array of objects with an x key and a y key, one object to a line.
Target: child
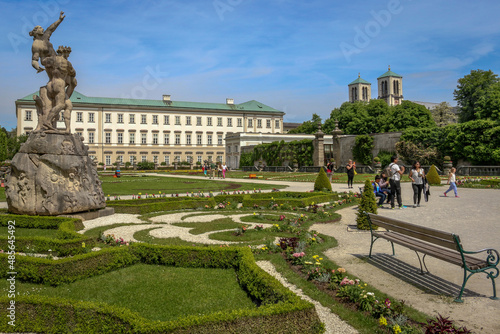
[
  {"x": 378, "y": 192},
  {"x": 452, "y": 182}
]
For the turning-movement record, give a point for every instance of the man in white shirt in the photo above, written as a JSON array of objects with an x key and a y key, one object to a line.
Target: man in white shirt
[{"x": 395, "y": 173}]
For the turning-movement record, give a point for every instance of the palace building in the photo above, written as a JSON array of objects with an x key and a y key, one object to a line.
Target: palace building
[{"x": 118, "y": 129}]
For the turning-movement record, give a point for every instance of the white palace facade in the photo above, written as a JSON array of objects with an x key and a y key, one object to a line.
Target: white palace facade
[{"x": 117, "y": 129}]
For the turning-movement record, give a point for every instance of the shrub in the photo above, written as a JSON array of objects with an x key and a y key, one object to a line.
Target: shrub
[
  {"x": 362, "y": 150},
  {"x": 322, "y": 182},
  {"x": 368, "y": 204},
  {"x": 280, "y": 310},
  {"x": 146, "y": 165},
  {"x": 433, "y": 176}
]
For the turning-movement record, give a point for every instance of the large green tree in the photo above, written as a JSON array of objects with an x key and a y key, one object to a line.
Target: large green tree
[
  {"x": 308, "y": 127},
  {"x": 10, "y": 143},
  {"x": 408, "y": 114},
  {"x": 471, "y": 92},
  {"x": 443, "y": 114}
]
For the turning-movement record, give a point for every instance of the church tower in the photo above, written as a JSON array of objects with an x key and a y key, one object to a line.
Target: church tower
[
  {"x": 390, "y": 87},
  {"x": 360, "y": 90}
]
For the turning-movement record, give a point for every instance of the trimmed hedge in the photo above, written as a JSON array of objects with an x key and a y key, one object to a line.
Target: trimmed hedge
[
  {"x": 178, "y": 204},
  {"x": 281, "y": 311},
  {"x": 67, "y": 241},
  {"x": 288, "y": 198},
  {"x": 67, "y": 270}
]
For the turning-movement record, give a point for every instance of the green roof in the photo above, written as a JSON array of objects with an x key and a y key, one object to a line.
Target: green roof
[
  {"x": 359, "y": 80},
  {"x": 390, "y": 74},
  {"x": 79, "y": 98}
]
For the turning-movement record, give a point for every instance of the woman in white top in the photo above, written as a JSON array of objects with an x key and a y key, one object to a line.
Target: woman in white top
[
  {"x": 224, "y": 168},
  {"x": 417, "y": 175},
  {"x": 451, "y": 182}
]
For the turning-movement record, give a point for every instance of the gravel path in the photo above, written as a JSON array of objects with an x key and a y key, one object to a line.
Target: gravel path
[
  {"x": 473, "y": 216},
  {"x": 333, "y": 324}
]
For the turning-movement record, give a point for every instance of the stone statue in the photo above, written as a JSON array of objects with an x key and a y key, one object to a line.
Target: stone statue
[
  {"x": 52, "y": 173},
  {"x": 55, "y": 96}
]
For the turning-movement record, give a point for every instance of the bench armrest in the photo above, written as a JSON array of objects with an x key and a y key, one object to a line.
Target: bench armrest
[{"x": 493, "y": 257}]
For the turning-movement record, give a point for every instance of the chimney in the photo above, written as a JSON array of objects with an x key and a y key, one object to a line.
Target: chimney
[
  {"x": 229, "y": 101},
  {"x": 166, "y": 97}
]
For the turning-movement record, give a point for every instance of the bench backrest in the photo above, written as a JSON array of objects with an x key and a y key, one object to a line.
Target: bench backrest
[{"x": 444, "y": 239}]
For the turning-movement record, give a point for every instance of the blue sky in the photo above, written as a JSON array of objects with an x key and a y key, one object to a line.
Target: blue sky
[{"x": 295, "y": 56}]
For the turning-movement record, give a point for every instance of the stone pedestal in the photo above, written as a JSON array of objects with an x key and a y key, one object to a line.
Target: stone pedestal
[
  {"x": 319, "y": 148},
  {"x": 53, "y": 175}
]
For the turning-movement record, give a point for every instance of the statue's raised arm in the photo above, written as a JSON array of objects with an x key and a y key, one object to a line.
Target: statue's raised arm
[
  {"x": 54, "y": 25},
  {"x": 42, "y": 48}
]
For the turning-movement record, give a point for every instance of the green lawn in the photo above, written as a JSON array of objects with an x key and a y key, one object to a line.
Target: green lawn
[
  {"x": 2, "y": 195},
  {"x": 30, "y": 232},
  {"x": 155, "y": 292},
  {"x": 129, "y": 185}
]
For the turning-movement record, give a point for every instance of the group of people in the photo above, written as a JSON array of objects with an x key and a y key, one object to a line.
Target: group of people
[
  {"x": 389, "y": 186},
  {"x": 210, "y": 168}
]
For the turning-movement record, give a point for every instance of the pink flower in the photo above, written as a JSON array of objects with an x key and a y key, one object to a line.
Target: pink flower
[{"x": 388, "y": 303}]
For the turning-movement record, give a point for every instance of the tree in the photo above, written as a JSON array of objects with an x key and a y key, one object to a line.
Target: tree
[
  {"x": 308, "y": 127},
  {"x": 409, "y": 114},
  {"x": 322, "y": 182},
  {"x": 368, "y": 204},
  {"x": 470, "y": 92},
  {"x": 443, "y": 114},
  {"x": 10, "y": 143},
  {"x": 433, "y": 176}
]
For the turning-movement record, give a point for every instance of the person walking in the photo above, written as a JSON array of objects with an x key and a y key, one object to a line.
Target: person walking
[
  {"x": 417, "y": 175},
  {"x": 351, "y": 167},
  {"x": 452, "y": 182},
  {"x": 395, "y": 181},
  {"x": 329, "y": 170},
  {"x": 224, "y": 169}
]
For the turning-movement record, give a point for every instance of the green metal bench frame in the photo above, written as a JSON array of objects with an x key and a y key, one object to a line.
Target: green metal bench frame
[{"x": 441, "y": 245}]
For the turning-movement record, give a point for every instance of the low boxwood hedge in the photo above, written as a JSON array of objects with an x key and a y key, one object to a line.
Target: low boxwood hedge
[
  {"x": 290, "y": 198},
  {"x": 178, "y": 203},
  {"x": 67, "y": 241},
  {"x": 280, "y": 310}
]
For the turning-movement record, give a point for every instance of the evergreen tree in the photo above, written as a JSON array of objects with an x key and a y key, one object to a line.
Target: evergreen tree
[
  {"x": 433, "y": 176},
  {"x": 368, "y": 204},
  {"x": 322, "y": 182}
]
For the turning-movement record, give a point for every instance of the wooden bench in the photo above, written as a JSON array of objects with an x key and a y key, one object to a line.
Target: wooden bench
[{"x": 441, "y": 245}]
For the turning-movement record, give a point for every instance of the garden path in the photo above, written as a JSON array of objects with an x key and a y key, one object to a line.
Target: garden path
[
  {"x": 473, "y": 216},
  {"x": 333, "y": 324}
]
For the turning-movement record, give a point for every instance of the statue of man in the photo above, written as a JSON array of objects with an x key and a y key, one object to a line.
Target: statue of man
[
  {"x": 62, "y": 75},
  {"x": 42, "y": 47}
]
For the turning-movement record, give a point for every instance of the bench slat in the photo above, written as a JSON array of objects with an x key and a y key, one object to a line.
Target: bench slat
[
  {"x": 441, "y": 238},
  {"x": 441, "y": 253}
]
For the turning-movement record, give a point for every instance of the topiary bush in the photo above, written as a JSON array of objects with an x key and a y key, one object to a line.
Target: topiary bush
[
  {"x": 368, "y": 204},
  {"x": 433, "y": 176},
  {"x": 322, "y": 182}
]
